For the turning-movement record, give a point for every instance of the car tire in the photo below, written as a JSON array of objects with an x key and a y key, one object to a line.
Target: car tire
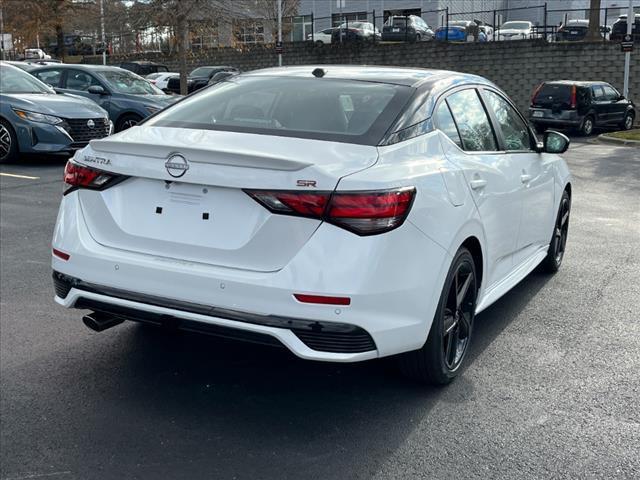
[
  {"x": 418, "y": 38},
  {"x": 8, "y": 143},
  {"x": 127, "y": 121},
  {"x": 627, "y": 123},
  {"x": 319, "y": 43},
  {"x": 555, "y": 254},
  {"x": 588, "y": 124},
  {"x": 439, "y": 360}
]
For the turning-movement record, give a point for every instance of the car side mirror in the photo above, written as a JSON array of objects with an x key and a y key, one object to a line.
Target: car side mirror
[
  {"x": 555, "y": 142},
  {"x": 97, "y": 90}
]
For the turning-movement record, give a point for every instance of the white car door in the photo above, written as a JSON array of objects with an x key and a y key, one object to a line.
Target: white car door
[
  {"x": 535, "y": 173},
  {"x": 492, "y": 177}
]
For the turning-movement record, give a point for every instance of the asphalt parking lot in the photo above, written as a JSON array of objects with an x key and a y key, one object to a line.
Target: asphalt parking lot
[{"x": 552, "y": 388}]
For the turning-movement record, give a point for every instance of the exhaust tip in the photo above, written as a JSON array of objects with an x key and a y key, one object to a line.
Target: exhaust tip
[{"x": 98, "y": 322}]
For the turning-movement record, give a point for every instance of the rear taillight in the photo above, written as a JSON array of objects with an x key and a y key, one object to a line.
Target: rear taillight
[
  {"x": 535, "y": 93},
  {"x": 361, "y": 212},
  {"x": 573, "y": 96},
  {"x": 78, "y": 176}
]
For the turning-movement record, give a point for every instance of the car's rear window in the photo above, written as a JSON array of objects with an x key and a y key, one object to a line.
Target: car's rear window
[
  {"x": 554, "y": 93},
  {"x": 319, "y": 108}
]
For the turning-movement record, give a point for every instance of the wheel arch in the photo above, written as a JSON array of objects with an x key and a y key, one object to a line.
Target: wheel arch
[{"x": 475, "y": 248}]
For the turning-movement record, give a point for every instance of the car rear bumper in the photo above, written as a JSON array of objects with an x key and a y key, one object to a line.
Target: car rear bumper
[
  {"x": 576, "y": 122},
  {"x": 393, "y": 289}
]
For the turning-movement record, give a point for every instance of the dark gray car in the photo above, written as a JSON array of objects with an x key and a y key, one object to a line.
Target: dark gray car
[{"x": 127, "y": 97}]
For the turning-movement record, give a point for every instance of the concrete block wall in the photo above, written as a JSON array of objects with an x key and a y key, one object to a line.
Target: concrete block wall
[{"x": 516, "y": 67}]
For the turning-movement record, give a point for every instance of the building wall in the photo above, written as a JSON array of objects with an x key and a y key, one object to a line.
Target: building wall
[
  {"x": 516, "y": 66},
  {"x": 531, "y": 10}
]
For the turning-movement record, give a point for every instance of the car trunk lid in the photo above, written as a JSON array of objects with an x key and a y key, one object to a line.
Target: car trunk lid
[{"x": 184, "y": 199}]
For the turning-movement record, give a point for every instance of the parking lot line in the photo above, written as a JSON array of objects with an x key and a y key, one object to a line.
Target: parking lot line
[{"x": 14, "y": 175}]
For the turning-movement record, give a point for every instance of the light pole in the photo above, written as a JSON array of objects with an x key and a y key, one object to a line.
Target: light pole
[
  {"x": 104, "y": 45},
  {"x": 627, "y": 55},
  {"x": 279, "y": 31}
]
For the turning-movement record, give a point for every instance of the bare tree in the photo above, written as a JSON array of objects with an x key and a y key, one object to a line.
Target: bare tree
[
  {"x": 593, "y": 34},
  {"x": 178, "y": 14},
  {"x": 268, "y": 9}
]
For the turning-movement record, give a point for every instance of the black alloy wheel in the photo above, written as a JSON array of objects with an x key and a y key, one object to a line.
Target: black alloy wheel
[{"x": 439, "y": 361}]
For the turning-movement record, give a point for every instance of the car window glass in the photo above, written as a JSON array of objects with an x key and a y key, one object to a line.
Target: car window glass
[
  {"x": 336, "y": 109},
  {"x": 50, "y": 77},
  {"x": 609, "y": 93},
  {"x": 77, "y": 80},
  {"x": 474, "y": 127},
  {"x": 444, "y": 121},
  {"x": 598, "y": 93},
  {"x": 514, "y": 130}
]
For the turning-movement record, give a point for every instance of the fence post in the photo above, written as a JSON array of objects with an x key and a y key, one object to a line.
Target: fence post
[
  {"x": 493, "y": 37},
  {"x": 406, "y": 26},
  {"x": 313, "y": 29},
  {"x": 373, "y": 14},
  {"x": 604, "y": 33},
  {"x": 545, "y": 20},
  {"x": 446, "y": 32}
]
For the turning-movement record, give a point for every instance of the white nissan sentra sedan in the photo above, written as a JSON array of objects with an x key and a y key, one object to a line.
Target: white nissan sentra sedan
[{"x": 345, "y": 212}]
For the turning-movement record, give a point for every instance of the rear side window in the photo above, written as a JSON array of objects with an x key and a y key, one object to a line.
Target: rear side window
[
  {"x": 514, "y": 131},
  {"x": 598, "y": 93},
  {"x": 472, "y": 121},
  {"x": 444, "y": 122},
  {"x": 50, "y": 77},
  {"x": 326, "y": 109}
]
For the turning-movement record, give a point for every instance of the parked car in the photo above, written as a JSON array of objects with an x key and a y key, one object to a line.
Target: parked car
[
  {"x": 487, "y": 30},
  {"x": 322, "y": 37},
  {"x": 580, "y": 105},
  {"x": 36, "y": 54},
  {"x": 198, "y": 78},
  {"x": 461, "y": 31},
  {"x": 409, "y": 28},
  {"x": 619, "y": 28},
  {"x": 347, "y": 213},
  {"x": 576, "y": 30},
  {"x": 221, "y": 76},
  {"x": 161, "y": 79},
  {"x": 144, "y": 67},
  {"x": 34, "y": 119},
  {"x": 127, "y": 97},
  {"x": 355, "y": 32},
  {"x": 76, "y": 45},
  {"x": 515, "y": 30}
]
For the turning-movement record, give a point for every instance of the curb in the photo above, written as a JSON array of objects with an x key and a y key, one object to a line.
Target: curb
[{"x": 603, "y": 137}]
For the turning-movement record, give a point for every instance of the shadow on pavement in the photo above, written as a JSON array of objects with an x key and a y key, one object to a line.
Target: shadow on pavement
[{"x": 259, "y": 410}]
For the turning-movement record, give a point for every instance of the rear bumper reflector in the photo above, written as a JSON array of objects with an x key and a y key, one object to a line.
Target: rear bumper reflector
[
  {"x": 61, "y": 254},
  {"x": 322, "y": 299}
]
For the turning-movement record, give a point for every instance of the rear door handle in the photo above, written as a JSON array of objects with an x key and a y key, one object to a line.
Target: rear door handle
[
  {"x": 477, "y": 183},
  {"x": 525, "y": 178}
]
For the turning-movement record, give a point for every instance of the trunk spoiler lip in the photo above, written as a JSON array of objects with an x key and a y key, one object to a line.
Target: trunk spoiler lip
[{"x": 205, "y": 155}]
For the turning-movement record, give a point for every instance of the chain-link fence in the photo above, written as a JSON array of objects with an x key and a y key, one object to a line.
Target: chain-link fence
[{"x": 517, "y": 23}]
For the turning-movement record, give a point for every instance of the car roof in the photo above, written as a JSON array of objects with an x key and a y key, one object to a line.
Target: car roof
[
  {"x": 578, "y": 21},
  {"x": 411, "y": 77},
  {"x": 84, "y": 66},
  {"x": 579, "y": 83},
  {"x": 143, "y": 62}
]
